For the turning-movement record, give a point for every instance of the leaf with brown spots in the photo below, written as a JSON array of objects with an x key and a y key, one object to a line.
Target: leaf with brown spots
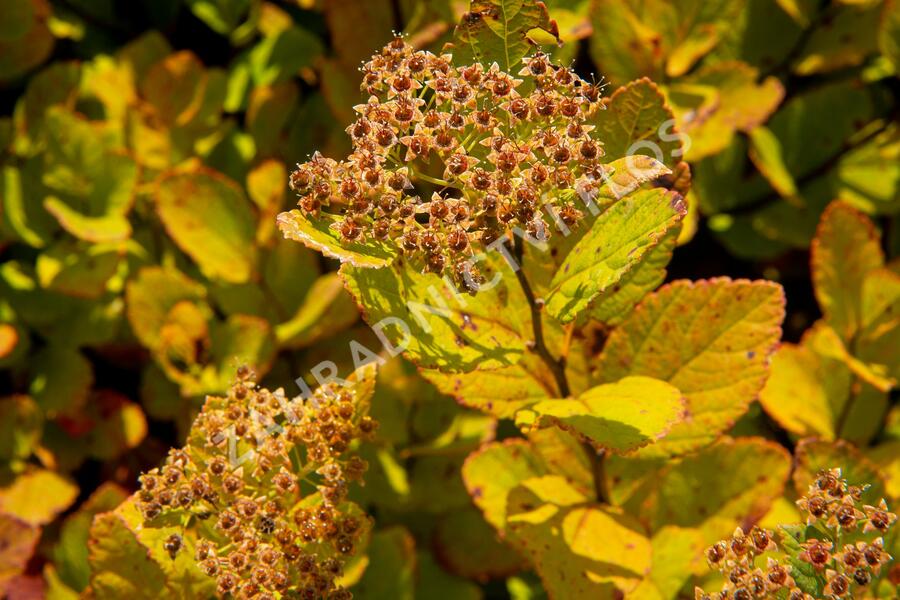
[{"x": 711, "y": 339}]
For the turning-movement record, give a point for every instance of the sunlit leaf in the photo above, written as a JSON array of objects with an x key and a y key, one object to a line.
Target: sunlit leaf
[
  {"x": 580, "y": 551},
  {"x": 637, "y": 120},
  {"x": 691, "y": 491},
  {"x": 128, "y": 560},
  {"x": 279, "y": 57},
  {"x": 151, "y": 295},
  {"x": 440, "y": 327},
  {"x": 266, "y": 186},
  {"x": 846, "y": 248},
  {"x": 37, "y": 496},
  {"x": 322, "y": 236},
  {"x": 710, "y": 339},
  {"x": 632, "y": 39},
  {"x": 616, "y": 303},
  {"x": 618, "y": 239},
  {"x": 720, "y": 100},
  {"x": 497, "y": 31},
  {"x": 620, "y": 416},
  {"x": 78, "y": 269},
  {"x": 210, "y": 219}
]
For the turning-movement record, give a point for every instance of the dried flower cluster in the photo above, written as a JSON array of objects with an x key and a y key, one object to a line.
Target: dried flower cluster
[
  {"x": 277, "y": 525},
  {"x": 490, "y": 146},
  {"x": 847, "y": 567}
]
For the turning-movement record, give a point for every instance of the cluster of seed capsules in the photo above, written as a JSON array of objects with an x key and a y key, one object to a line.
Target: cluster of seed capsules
[
  {"x": 263, "y": 481},
  {"x": 447, "y": 156},
  {"x": 847, "y": 570}
]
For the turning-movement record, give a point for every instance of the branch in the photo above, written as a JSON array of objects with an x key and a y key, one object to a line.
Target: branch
[{"x": 556, "y": 366}]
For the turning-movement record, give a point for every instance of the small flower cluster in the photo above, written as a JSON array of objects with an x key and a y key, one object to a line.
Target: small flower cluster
[
  {"x": 846, "y": 566},
  {"x": 736, "y": 559},
  {"x": 277, "y": 525},
  {"x": 492, "y": 144}
]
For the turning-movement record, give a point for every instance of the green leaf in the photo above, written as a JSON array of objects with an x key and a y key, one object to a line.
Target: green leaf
[
  {"x": 493, "y": 471},
  {"x": 328, "y": 308},
  {"x": 766, "y": 154},
  {"x": 21, "y": 422},
  {"x": 70, "y": 554},
  {"x": 620, "y": 417},
  {"x": 90, "y": 181},
  {"x": 322, "y": 236},
  {"x": 268, "y": 114},
  {"x": 266, "y": 186},
  {"x": 845, "y": 249},
  {"x": 61, "y": 378},
  {"x": 78, "y": 269},
  {"x": 616, "y": 303},
  {"x": 616, "y": 242},
  {"x": 279, "y": 57},
  {"x": 469, "y": 547},
  {"x": 497, "y": 31},
  {"x": 889, "y": 32},
  {"x": 37, "y": 496},
  {"x": 878, "y": 342},
  {"x": 579, "y": 550},
  {"x": 222, "y": 16},
  {"x": 500, "y": 392},
  {"x": 711, "y": 339},
  {"x": 656, "y": 38},
  {"x": 22, "y": 218},
  {"x": 637, "y": 121},
  {"x": 29, "y": 44},
  {"x": 392, "y": 564},
  {"x": 435, "y": 583},
  {"x": 440, "y": 327},
  {"x": 211, "y": 220},
  {"x": 802, "y": 571},
  {"x": 846, "y": 41}
]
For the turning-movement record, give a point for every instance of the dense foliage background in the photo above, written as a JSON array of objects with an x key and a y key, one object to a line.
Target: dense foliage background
[{"x": 144, "y": 154}]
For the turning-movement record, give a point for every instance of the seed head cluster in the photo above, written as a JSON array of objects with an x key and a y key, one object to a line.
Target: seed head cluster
[
  {"x": 847, "y": 569},
  {"x": 447, "y": 156},
  {"x": 277, "y": 525}
]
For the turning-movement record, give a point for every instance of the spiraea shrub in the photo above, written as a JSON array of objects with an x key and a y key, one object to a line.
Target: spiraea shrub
[{"x": 445, "y": 299}]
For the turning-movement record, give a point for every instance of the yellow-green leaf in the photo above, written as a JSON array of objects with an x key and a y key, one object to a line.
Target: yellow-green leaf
[
  {"x": 440, "y": 327},
  {"x": 616, "y": 242},
  {"x": 580, "y": 550},
  {"x": 845, "y": 249},
  {"x": 693, "y": 492},
  {"x": 620, "y": 416},
  {"x": 37, "y": 496},
  {"x": 321, "y": 235},
  {"x": 497, "y": 31},
  {"x": 151, "y": 295},
  {"x": 328, "y": 309},
  {"x": 637, "y": 121},
  {"x": 711, "y": 339},
  {"x": 211, "y": 220}
]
